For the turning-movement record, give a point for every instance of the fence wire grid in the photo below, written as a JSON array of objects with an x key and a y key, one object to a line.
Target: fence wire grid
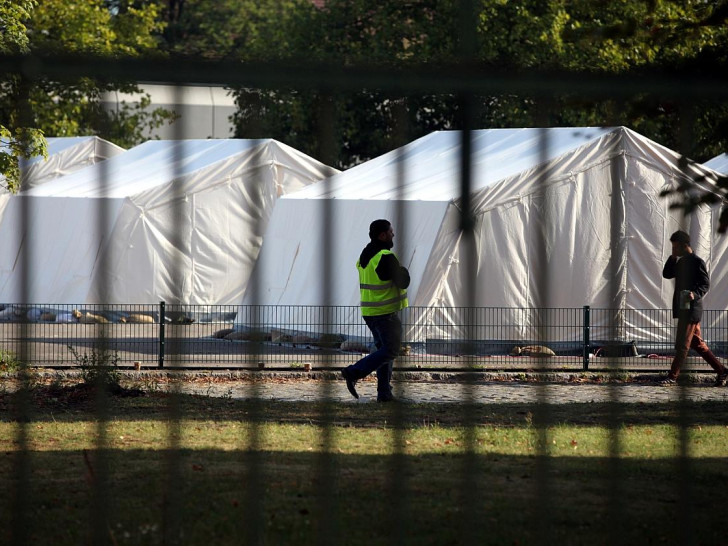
[{"x": 294, "y": 337}]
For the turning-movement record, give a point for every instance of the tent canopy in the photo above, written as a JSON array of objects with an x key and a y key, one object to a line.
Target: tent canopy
[
  {"x": 564, "y": 217},
  {"x": 156, "y": 163},
  {"x": 66, "y": 155},
  {"x": 431, "y": 164},
  {"x": 718, "y": 163},
  {"x": 179, "y": 221},
  {"x": 422, "y": 196}
]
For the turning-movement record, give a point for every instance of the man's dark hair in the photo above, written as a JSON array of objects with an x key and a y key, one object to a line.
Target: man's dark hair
[
  {"x": 377, "y": 227},
  {"x": 680, "y": 237}
]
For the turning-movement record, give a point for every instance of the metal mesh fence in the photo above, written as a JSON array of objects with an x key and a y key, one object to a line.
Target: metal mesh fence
[{"x": 297, "y": 337}]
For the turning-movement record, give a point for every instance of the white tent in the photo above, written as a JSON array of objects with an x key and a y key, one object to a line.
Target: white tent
[
  {"x": 179, "y": 221},
  {"x": 717, "y": 258},
  {"x": 66, "y": 155},
  {"x": 718, "y": 163},
  {"x": 550, "y": 231}
]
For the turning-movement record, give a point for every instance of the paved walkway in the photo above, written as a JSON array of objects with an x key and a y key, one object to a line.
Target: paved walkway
[
  {"x": 489, "y": 392},
  {"x": 482, "y": 388}
]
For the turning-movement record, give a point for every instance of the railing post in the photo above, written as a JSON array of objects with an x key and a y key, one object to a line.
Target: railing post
[
  {"x": 161, "y": 334},
  {"x": 585, "y": 337}
]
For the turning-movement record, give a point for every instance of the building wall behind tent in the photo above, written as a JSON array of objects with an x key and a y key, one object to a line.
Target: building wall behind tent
[{"x": 203, "y": 111}]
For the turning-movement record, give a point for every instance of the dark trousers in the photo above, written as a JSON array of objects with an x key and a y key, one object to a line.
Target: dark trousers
[
  {"x": 688, "y": 337},
  {"x": 387, "y": 333}
]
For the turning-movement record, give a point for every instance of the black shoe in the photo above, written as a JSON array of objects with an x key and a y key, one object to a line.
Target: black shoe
[
  {"x": 386, "y": 398},
  {"x": 722, "y": 379},
  {"x": 668, "y": 381},
  {"x": 350, "y": 382}
]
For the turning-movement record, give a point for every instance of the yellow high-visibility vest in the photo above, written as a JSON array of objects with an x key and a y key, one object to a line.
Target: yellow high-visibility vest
[{"x": 379, "y": 297}]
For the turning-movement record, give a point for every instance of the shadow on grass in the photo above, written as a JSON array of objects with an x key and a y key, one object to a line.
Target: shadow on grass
[
  {"x": 447, "y": 495},
  {"x": 239, "y": 497}
]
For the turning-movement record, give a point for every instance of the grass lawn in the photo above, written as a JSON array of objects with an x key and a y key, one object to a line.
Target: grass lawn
[{"x": 244, "y": 472}]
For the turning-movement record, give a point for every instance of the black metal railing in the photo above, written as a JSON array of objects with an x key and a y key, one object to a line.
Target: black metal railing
[{"x": 228, "y": 336}]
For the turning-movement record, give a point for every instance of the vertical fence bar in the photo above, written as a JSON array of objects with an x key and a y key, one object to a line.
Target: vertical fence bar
[
  {"x": 585, "y": 337},
  {"x": 617, "y": 290},
  {"x": 252, "y": 486},
  {"x": 542, "y": 506},
  {"x": 684, "y": 470},
  {"x": 160, "y": 347},
  {"x": 467, "y": 46},
  {"x": 22, "y": 468},
  {"x": 180, "y": 214},
  {"x": 325, "y": 463},
  {"x": 398, "y": 466},
  {"x": 100, "y": 463}
]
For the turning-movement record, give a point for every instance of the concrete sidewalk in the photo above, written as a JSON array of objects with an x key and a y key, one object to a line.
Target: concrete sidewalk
[{"x": 480, "y": 392}]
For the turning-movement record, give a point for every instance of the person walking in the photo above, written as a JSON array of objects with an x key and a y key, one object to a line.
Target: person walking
[
  {"x": 691, "y": 284},
  {"x": 383, "y": 286}
]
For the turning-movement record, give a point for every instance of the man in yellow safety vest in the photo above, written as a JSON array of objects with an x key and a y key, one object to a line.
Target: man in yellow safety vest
[{"x": 383, "y": 286}]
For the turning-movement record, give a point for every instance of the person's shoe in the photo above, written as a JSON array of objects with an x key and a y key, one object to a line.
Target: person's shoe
[
  {"x": 668, "y": 381},
  {"x": 722, "y": 379},
  {"x": 386, "y": 398},
  {"x": 350, "y": 382}
]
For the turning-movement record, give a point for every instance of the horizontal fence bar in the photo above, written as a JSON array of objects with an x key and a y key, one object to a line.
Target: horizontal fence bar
[
  {"x": 450, "y": 77},
  {"x": 233, "y": 336}
]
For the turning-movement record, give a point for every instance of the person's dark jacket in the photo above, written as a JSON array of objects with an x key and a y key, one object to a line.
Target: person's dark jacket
[
  {"x": 388, "y": 268},
  {"x": 690, "y": 273}
]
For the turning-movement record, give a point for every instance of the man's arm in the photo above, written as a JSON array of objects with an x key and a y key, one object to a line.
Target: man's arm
[
  {"x": 670, "y": 269},
  {"x": 390, "y": 270},
  {"x": 701, "y": 282}
]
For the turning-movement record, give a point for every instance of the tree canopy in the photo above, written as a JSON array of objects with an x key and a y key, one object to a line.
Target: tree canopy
[
  {"x": 16, "y": 139},
  {"x": 581, "y": 36},
  {"x": 70, "y": 108},
  {"x": 91, "y": 27},
  {"x": 597, "y": 36}
]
